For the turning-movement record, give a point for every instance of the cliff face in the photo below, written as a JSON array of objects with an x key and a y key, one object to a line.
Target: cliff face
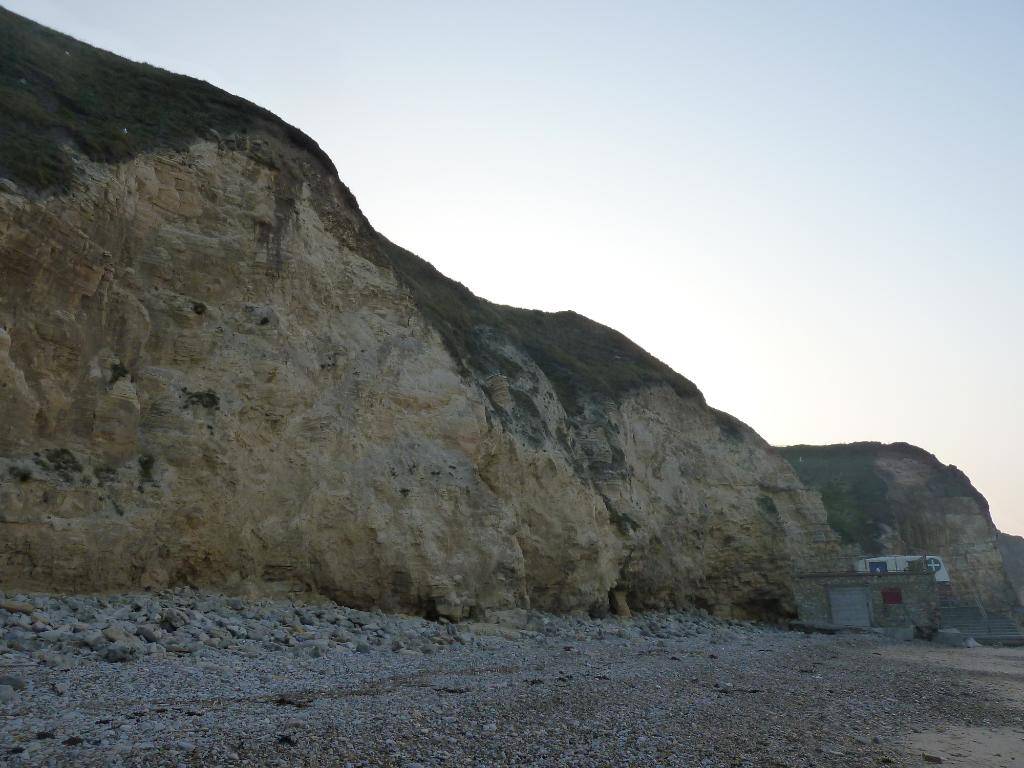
[
  {"x": 214, "y": 371},
  {"x": 900, "y": 499},
  {"x": 1012, "y": 550}
]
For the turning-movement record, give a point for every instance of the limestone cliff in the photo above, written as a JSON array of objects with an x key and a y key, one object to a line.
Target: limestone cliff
[
  {"x": 900, "y": 499},
  {"x": 1012, "y": 550},
  {"x": 214, "y": 371}
]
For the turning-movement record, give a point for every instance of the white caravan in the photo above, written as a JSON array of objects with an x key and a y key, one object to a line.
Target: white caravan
[{"x": 902, "y": 563}]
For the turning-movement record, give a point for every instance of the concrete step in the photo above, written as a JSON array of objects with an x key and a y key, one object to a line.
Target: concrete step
[
  {"x": 962, "y": 613},
  {"x": 985, "y": 629},
  {"x": 981, "y": 630},
  {"x": 991, "y": 628},
  {"x": 1000, "y": 639}
]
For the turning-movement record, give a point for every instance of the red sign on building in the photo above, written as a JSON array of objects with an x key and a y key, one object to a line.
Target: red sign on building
[{"x": 892, "y": 596}]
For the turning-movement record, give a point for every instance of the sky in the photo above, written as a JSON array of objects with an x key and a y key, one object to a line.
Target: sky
[{"x": 815, "y": 211}]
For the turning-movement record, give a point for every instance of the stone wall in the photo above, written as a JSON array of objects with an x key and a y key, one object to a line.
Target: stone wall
[{"x": 919, "y": 606}]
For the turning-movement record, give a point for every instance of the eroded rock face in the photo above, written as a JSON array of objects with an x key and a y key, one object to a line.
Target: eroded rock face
[
  {"x": 1012, "y": 550},
  {"x": 209, "y": 376},
  {"x": 900, "y": 499}
]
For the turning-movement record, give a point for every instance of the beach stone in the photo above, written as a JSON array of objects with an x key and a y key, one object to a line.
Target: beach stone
[
  {"x": 118, "y": 652},
  {"x": 92, "y": 639},
  {"x": 115, "y": 634},
  {"x": 14, "y": 681},
  {"x": 14, "y": 606},
  {"x": 174, "y": 618}
]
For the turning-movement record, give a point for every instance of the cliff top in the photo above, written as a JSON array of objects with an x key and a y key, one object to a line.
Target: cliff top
[{"x": 55, "y": 90}]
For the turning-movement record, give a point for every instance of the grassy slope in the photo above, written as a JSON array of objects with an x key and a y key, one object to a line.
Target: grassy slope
[
  {"x": 855, "y": 493},
  {"x": 583, "y": 359},
  {"x": 55, "y": 90}
]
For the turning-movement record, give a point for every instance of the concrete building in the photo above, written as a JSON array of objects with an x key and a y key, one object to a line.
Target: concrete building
[{"x": 884, "y": 600}]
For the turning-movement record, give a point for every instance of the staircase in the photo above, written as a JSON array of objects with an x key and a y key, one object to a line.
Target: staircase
[{"x": 989, "y": 629}]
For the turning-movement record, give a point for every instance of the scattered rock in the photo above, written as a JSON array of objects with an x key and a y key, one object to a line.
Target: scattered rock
[
  {"x": 118, "y": 652},
  {"x": 173, "y": 618},
  {"x": 115, "y": 634},
  {"x": 92, "y": 639},
  {"x": 372, "y": 706},
  {"x": 17, "y": 607},
  {"x": 14, "y": 681}
]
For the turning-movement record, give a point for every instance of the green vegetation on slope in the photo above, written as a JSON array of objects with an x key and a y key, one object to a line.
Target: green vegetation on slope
[
  {"x": 854, "y": 495},
  {"x": 582, "y": 359},
  {"x": 55, "y": 90}
]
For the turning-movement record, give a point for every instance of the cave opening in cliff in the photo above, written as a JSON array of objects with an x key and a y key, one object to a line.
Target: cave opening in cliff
[{"x": 767, "y": 609}]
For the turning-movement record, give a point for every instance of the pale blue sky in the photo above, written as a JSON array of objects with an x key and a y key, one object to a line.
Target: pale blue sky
[{"x": 815, "y": 210}]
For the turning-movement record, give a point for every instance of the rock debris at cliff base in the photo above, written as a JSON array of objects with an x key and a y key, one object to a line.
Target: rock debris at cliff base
[{"x": 286, "y": 684}]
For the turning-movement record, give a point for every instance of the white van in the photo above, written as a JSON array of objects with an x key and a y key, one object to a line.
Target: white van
[{"x": 900, "y": 563}]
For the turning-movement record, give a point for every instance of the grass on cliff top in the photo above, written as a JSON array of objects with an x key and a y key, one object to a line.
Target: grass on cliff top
[
  {"x": 55, "y": 90},
  {"x": 583, "y": 359}
]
